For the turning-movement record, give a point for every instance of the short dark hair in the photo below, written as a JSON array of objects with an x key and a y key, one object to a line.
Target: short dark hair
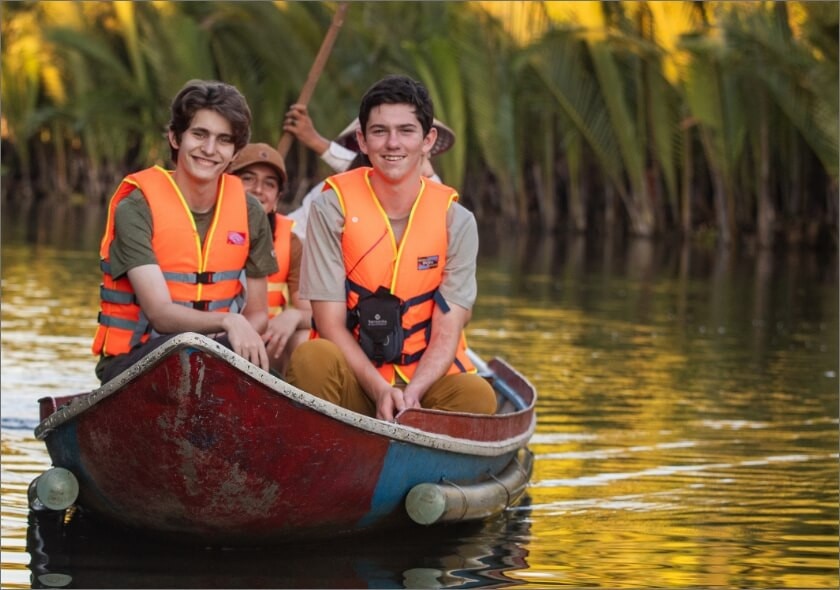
[
  {"x": 216, "y": 96},
  {"x": 359, "y": 161},
  {"x": 396, "y": 89}
]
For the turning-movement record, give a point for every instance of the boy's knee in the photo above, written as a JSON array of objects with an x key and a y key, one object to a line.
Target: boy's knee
[
  {"x": 311, "y": 362},
  {"x": 465, "y": 392},
  {"x": 481, "y": 396},
  {"x": 319, "y": 348}
]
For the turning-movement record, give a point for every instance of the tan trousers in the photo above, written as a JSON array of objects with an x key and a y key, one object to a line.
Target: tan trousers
[{"x": 318, "y": 367}]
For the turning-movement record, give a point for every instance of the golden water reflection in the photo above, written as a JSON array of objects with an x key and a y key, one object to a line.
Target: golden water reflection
[{"x": 687, "y": 435}]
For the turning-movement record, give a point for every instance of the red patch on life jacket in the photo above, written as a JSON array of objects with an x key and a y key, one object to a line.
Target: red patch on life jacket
[{"x": 237, "y": 238}]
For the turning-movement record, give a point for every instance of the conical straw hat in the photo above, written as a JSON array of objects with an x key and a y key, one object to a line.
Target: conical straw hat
[{"x": 444, "y": 141}]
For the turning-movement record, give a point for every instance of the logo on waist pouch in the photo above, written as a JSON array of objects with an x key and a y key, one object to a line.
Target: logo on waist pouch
[
  {"x": 237, "y": 238},
  {"x": 427, "y": 262}
]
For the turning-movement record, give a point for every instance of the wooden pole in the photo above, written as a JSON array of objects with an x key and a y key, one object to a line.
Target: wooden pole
[{"x": 315, "y": 71}]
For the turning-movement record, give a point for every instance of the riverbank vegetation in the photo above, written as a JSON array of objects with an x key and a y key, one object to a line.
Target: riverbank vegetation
[{"x": 703, "y": 119}]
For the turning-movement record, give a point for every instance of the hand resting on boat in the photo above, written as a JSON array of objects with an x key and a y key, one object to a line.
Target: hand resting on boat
[{"x": 167, "y": 317}]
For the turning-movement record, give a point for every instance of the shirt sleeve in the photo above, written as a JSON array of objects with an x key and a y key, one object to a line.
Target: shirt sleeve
[
  {"x": 459, "y": 284},
  {"x": 301, "y": 215},
  {"x": 296, "y": 250},
  {"x": 322, "y": 265},
  {"x": 262, "y": 260},
  {"x": 132, "y": 244},
  {"x": 338, "y": 157}
]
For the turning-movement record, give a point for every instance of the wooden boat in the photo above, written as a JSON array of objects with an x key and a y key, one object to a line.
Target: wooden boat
[{"x": 195, "y": 442}]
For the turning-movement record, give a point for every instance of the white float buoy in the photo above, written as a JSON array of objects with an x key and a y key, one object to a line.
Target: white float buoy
[
  {"x": 55, "y": 489},
  {"x": 55, "y": 580},
  {"x": 430, "y": 503}
]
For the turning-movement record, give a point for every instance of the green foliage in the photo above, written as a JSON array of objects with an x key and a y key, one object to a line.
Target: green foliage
[
  {"x": 547, "y": 124},
  {"x": 442, "y": 75},
  {"x": 489, "y": 81}
]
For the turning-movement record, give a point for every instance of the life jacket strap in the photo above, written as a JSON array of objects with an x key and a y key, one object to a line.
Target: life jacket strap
[
  {"x": 352, "y": 318},
  {"x": 408, "y": 359},
  {"x": 115, "y": 296},
  {"x": 202, "y": 278},
  {"x": 111, "y": 322},
  {"x": 351, "y": 286},
  {"x": 191, "y": 278},
  {"x": 417, "y": 327}
]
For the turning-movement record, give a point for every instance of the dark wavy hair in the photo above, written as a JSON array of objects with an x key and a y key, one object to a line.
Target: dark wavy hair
[
  {"x": 216, "y": 96},
  {"x": 396, "y": 89}
]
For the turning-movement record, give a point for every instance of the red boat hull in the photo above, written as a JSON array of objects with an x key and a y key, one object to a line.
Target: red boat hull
[{"x": 196, "y": 442}]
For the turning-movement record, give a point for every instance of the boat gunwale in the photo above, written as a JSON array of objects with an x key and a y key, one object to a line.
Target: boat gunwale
[{"x": 391, "y": 430}]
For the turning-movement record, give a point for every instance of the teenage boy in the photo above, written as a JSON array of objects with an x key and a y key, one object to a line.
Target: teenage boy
[{"x": 389, "y": 269}]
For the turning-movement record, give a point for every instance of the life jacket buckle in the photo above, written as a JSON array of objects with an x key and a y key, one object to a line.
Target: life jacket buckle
[{"x": 204, "y": 278}]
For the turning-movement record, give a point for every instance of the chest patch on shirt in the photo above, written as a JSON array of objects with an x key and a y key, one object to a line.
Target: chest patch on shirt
[
  {"x": 237, "y": 238},
  {"x": 427, "y": 262}
]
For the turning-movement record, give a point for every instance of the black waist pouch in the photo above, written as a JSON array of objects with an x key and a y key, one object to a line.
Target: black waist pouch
[{"x": 380, "y": 326}]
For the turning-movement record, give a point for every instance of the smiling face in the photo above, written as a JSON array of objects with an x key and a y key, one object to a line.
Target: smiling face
[
  {"x": 206, "y": 147},
  {"x": 393, "y": 141},
  {"x": 262, "y": 181}
]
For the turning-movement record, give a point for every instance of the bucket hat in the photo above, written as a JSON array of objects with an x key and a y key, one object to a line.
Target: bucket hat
[{"x": 259, "y": 153}]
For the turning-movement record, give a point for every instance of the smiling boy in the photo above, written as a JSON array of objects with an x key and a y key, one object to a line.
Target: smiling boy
[
  {"x": 389, "y": 268},
  {"x": 176, "y": 243}
]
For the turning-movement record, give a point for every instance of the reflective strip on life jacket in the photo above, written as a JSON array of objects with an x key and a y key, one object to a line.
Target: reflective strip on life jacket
[{"x": 278, "y": 287}]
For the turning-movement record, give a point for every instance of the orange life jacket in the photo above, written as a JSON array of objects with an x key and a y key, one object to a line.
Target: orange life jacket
[
  {"x": 278, "y": 288},
  {"x": 411, "y": 270},
  {"x": 207, "y": 278}
]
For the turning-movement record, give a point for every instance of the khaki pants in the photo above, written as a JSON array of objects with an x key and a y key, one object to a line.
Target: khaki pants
[{"x": 318, "y": 367}]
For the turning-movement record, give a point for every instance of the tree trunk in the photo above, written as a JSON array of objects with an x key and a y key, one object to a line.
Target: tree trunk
[
  {"x": 610, "y": 206},
  {"x": 61, "y": 168},
  {"x": 766, "y": 212},
  {"x": 548, "y": 196},
  {"x": 721, "y": 198},
  {"x": 544, "y": 189},
  {"x": 687, "y": 183},
  {"x": 640, "y": 211},
  {"x": 576, "y": 192}
]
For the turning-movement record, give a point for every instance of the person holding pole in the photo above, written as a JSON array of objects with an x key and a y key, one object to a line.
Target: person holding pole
[
  {"x": 298, "y": 123},
  {"x": 389, "y": 269}
]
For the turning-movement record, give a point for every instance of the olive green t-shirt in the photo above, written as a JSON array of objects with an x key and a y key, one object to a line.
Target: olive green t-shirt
[{"x": 132, "y": 244}]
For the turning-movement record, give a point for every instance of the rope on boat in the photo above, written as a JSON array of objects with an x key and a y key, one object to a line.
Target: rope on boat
[{"x": 463, "y": 496}]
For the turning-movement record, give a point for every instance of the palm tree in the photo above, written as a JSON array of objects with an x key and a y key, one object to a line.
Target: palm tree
[
  {"x": 575, "y": 109},
  {"x": 23, "y": 72}
]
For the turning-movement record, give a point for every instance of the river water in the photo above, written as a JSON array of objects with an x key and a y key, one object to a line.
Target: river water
[{"x": 687, "y": 434}]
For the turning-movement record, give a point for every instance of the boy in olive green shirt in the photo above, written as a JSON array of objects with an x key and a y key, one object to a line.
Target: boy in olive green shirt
[{"x": 210, "y": 123}]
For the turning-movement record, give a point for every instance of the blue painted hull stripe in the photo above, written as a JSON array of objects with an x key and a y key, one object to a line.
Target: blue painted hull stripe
[{"x": 407, "y": 465}]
